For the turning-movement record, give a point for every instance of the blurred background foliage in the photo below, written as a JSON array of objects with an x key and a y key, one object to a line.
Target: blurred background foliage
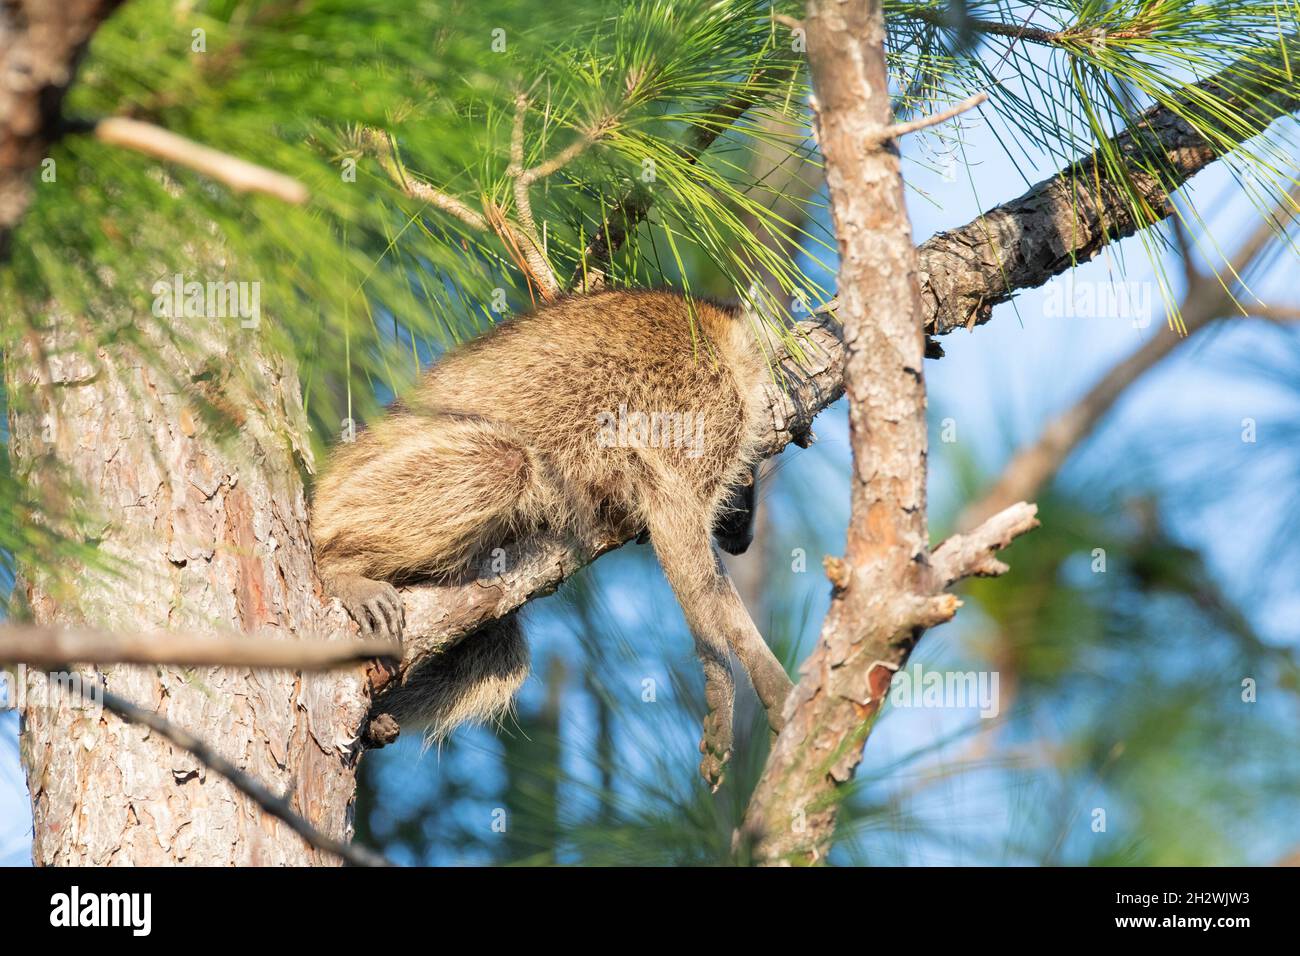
[{"x": 1121, "y": 689}]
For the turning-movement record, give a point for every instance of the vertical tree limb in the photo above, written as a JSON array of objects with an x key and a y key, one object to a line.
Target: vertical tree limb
[{"x": 883, "y": 578}]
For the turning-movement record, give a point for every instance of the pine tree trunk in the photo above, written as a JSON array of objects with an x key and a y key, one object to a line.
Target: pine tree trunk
[{"x": 211, "y": 530}]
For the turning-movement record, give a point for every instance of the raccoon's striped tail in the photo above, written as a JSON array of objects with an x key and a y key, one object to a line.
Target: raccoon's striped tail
[{"x": 473, "y": 682}]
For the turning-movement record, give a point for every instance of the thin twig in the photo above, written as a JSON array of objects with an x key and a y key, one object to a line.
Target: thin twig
[
  {"x": 379, "y": 143},
  {"x": 902, "y": 129},
  {"x": 254, "y": 789},
  {"x": 1021, "y": 31},
  {"x": 567, "y": 155},
  {"x": 240, "y": 175},
  {"x": 524, "y": 178},
  {"x": 517, "y": 247},
  {"x": 531, "y": 246},
  {"x": 51, "y": 647}
]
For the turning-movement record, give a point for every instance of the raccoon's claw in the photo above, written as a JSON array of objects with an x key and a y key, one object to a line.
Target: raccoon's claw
[
  {"x": 716, "y": 747},
  {"x": 712, "y": 767},
  {"x": 375, "y": 605},
  {"x": 386, "y": 612}
]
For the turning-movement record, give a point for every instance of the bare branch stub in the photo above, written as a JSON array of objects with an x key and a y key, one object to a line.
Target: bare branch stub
[
  {"x": 238, "y": 174},
  {"x": 974, "y": 554},
  {"x": 925, "y": 122}
]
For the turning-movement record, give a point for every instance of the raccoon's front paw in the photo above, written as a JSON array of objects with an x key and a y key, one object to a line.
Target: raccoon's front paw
[
  {"x": 716, "y": 747},
  {"x": 375, "y": 605}
]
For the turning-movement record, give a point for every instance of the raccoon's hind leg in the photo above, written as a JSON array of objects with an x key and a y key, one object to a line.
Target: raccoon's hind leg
[{"x": 438, "y": 493}]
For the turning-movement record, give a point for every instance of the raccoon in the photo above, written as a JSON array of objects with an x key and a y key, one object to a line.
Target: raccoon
[{"x": 635, "y": 411}]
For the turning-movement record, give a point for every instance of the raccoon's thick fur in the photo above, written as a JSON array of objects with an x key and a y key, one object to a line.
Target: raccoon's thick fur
[
  {"x": 474, "y": 681},
  {"x": 541, "y": 423}
]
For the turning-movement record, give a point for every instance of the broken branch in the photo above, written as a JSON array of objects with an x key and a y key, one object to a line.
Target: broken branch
[
  {"x": 912, "y": 126},
  {"x": 240, "y": 175},
  {"x": 56, "y": 647}
]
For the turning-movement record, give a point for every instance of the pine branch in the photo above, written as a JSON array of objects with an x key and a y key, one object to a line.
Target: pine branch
[
  {"x": 1069, "y": 217},
  {"x": 1079, "y": 33},
  {"x": 634, "y": 206},
  {"x": 531, "y": 240},
  {"x": 521, "y": 237}
]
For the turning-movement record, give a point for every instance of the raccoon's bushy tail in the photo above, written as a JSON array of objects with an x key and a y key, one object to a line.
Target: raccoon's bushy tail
[{"x": 473, "y": 682}]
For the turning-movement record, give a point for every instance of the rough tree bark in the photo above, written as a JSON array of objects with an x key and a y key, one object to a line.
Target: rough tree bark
[
  {"x": 889, "y": 587},
  {"x": 882, "y": 585},
  {"x": 211, "y": 533}
]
